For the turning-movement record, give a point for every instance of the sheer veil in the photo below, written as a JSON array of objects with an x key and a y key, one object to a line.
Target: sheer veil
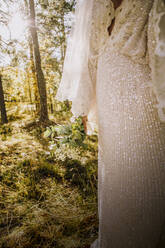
[{"x": 77, "y": 54}]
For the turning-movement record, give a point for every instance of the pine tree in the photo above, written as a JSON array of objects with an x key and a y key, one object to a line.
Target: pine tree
[{"x": 40, "y": 76}]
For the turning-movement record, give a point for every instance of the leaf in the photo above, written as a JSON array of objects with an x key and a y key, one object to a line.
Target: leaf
[{"x": 47, "y": 133}]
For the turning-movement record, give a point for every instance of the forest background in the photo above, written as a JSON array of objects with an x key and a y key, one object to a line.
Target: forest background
[{"x": 48, "y": 165}]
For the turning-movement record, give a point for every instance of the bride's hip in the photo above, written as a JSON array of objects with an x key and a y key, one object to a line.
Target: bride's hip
[
  {"x": 124, "y": 92},
  {"x": 118, "y": 76},
  {"x": 122, "y": 69}
]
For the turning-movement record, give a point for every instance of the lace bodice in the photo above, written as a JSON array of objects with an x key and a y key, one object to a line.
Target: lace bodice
[{"x": 129, "y": 35}]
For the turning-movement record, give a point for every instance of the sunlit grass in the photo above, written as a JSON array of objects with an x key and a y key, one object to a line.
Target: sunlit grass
[{"x": 44, "y": 201}]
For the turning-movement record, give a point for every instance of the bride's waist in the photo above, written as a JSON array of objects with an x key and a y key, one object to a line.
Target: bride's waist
[
  {"x": 116, "y": 69},
  {"x": 132, "y": 53}
]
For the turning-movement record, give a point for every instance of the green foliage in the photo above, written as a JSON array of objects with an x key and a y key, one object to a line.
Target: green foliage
[
  {"x": 53, "y": 26},
  {"x": 72, "y": 134}
]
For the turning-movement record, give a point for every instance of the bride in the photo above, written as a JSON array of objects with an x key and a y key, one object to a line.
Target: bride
[{"x": 114, "y": 70}]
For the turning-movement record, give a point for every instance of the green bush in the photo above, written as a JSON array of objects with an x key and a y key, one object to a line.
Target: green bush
[{"x": 72, "y": 134}]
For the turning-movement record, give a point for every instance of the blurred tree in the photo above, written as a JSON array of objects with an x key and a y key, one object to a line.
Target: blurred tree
[
  {"x": 2, "y": 103},
  {"x": 40, "y": 76},
  {"x": 33, "y": 75},
  {"x": 52, "y": 19}
]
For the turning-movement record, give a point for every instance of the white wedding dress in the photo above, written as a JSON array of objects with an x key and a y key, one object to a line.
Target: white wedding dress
[{"x": 125, "y": 76}]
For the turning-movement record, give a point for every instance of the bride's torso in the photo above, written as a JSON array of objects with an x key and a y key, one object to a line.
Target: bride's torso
[
  {"x": 123, "y": 75},
  {"x": 129, "y": 33}
]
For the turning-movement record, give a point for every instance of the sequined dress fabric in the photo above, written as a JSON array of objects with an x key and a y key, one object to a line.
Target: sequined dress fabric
[
  {"x": 131, "y": 137},
  {"x": 131, "y": 156}
]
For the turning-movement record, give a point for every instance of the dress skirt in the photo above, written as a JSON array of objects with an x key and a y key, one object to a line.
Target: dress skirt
[{"x": 131, "y": 156}]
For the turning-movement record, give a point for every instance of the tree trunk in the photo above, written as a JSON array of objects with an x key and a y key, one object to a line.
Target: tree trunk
[
  {"x": 63, "y": 46},
  {"x": 2, "y": 104},
  {"x": 34, "y": 78},
  {"x": 29, "y": 88},
  {"x": 40, "y": 76}
]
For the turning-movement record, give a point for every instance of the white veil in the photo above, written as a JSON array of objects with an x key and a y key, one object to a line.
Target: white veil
[
  {"x": 87, "y": 36},
  {"x": 77, "y": 53}
]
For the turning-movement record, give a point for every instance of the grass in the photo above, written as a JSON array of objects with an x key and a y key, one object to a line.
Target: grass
[{"x": 46, "y": 200}]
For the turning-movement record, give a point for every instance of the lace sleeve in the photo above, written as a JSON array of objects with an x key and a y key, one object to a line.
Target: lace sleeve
[
  {"x": 88, "y": 35},
  {"x": 156, "y": 49}
]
